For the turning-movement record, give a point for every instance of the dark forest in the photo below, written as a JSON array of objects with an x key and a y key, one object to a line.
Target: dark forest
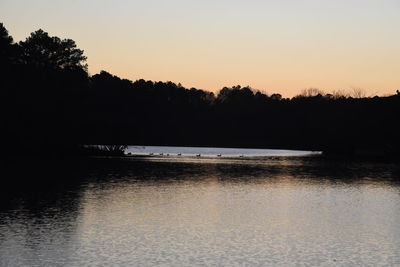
[{"x": 51, "y": 105}]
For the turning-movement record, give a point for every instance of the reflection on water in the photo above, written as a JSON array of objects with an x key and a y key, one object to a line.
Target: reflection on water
[
  {"x": 214, "y": 151},
  {"x": 137, "y": 212}
]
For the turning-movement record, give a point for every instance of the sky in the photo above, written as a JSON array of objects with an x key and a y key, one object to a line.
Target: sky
[{"x": 276, "y": 46}]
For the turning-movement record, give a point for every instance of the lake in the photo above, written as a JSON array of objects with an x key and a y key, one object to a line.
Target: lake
[
  {"x": 160, "y": 211},
  {"x": 214, "y": 151}
]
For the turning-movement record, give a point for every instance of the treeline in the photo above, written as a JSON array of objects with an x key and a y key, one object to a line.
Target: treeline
[{"x": 51, "y": 105}]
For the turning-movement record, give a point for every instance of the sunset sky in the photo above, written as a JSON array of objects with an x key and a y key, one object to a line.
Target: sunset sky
[{"x": 278, "y": 46}]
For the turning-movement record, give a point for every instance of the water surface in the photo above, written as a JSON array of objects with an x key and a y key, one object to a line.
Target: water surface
[
  {"x": 281, "y": 211},
  {"x": 215, "y": 151}
]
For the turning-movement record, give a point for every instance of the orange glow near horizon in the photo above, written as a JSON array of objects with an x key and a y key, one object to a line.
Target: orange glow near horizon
[{"x": 272, "y": 46}]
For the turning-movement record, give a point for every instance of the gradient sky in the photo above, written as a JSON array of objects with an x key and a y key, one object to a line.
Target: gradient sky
[{"x": 273, "y": 45}]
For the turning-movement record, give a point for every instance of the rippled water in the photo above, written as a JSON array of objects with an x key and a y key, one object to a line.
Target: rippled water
[{"x": 283, "y": 211}]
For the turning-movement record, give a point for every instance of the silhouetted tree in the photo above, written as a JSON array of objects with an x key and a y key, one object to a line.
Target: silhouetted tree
[
  {"x": 7, "y": 48},
  {"x": 276, "y": 97},
  {"x": 358, "y": 92},
  {"x": 42, "y": 50},
  {"x": 5, "y": 40},
  {"x": 311, "y": 92}
]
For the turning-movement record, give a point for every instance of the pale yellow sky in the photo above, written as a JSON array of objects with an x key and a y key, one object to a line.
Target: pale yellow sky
[{"x": 276, "y": 46}]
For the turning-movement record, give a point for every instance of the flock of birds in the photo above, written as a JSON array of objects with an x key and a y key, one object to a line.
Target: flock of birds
[{"x": 179, "y": 154}]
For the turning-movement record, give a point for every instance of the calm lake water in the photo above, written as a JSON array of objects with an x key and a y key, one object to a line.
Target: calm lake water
[
  {"x": 271, "y": 211},
  {"x": 214, "y": 152}
]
